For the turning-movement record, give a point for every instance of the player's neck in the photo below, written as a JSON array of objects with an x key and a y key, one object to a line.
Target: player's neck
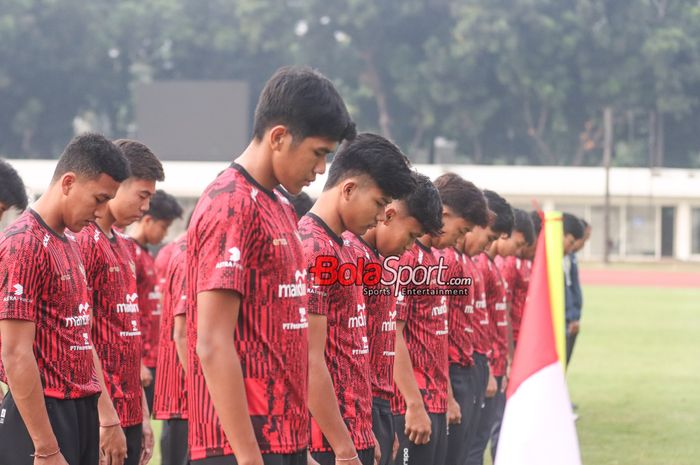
[
  {"x": 139, "y": 235},
  {"x": 258, "y": 163},
  {"x": 49, "y": 208},
  {"x": 106, "y": 222},
  {"x": 426, "y": 240},
  {"x": 326, "y": 209},
  {"x": 370, "y": 237}
]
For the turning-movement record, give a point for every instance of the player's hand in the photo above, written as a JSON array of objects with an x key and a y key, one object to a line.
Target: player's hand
[
  {"x": 147, "y": 443},
  {"x": 574, "y": 327},
  {"x": 146, "y": 376},
  {"x": 454, "y": 412},
  {"x": 491, "y": 387},
  {"x": 377, "y": 450},
  {"x": 395, "y": 447},
  {"x": 418, "y": 425},
  {"x": 112, "y": 445},
  {"x": 57, "y": 459},
  {"x": 345, "y": 462}
]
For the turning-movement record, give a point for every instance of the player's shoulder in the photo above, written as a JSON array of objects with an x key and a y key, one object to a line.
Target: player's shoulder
[{"x": 25, "y": 232}]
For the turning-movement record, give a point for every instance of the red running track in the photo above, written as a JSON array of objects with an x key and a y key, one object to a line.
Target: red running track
[{"x": 673, "y": 279}]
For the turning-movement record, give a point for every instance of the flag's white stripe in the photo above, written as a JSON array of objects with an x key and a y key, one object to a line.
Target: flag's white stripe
[{"x": 538, "y": 424}]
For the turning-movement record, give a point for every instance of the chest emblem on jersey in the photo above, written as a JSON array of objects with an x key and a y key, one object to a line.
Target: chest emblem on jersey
[
  {"x": 134, "y": 330},
  {"x": 254, "y": 194},
  {"x": 390, "y": 324},
  {"x": 96, "y": 237},
  {"x": 442, "y": 308},
  {"x": 46, "y": 240},
  {"x": 86, "y": 343},
  {"x": 365, "y": 347},
  {"x": 359, "y": 320},
  {"x": 131, "y": 305},
  {"x": 83, "y": 318},
  {"x": 297, "y": 289}
]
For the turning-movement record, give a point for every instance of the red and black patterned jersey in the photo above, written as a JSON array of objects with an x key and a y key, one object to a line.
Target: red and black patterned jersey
[
  {"x": 381, "y": 322},
  {"x": 522, "y": 283},
  {"x": 480, "y": 321},
  {"x": 163, "y": 260},
  {"x": 244, "y": 238},
  {"x": 497, "y": 307},
  {"x": 148, "y": 287},
  {"x": 460, "y": 308},
  {"x": 170, "y": 397},
  {"x": 43, "y": 280},
  {"x": 425, "y": 333},
  {"x": 116, "y": 331},
  {"x": 347, "y": 345}
]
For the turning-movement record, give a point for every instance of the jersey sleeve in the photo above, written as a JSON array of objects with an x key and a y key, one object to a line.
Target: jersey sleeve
[
  {"x": 22, "y": 277},
  {"x": 224, "y": 253}
]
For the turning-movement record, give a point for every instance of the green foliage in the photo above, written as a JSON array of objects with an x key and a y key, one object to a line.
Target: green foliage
[{"x": 511, "y": 81}]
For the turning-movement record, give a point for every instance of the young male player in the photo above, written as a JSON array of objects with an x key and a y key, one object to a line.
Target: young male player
[
  {"x": 111, "y": 275},
  {"x": 151, "y": 229},
  {"x": 417, "y": 214},
  {"x": 461, "y": 394},
  {"x": 507, "y": 259},
  {"x": 48, "y": 359},
  {"x": 573, "y": 317},
  {"x": 496, "y": 307},
  {"x": 12, "y": 191},
  {"x": 366, "y": 174},
  {"x": 247, "y": 320},
  {"x": 170, "y": 399},
  {"x": 421, "y": 361}
]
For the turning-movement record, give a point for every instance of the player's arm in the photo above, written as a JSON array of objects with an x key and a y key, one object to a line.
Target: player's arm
[
  {"x": 112, "y": 437},
  {"x": 180, "y": 339},
  {"x": 24, "y": 381},
  {"x": 454, "y": 411},
  {"x": 217, "y": 314},
  {"x": 418, "y": 426},
  {"x": 147, "y": 440},
  {"x": 323, "y": 404}
]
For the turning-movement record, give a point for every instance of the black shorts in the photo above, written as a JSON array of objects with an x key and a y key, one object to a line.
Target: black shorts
[
  {"x": 173, "y": 442},
  {"x": 383, "y": 427},
  {"x": 432, "y": 453},
  {"x": 366, "y": 457},
  {"x": 268, "y": 459},
  {"x": 462, "y": 380},
  {"x": 75, "y": 423},
  {"x": 134, "y": 440}
]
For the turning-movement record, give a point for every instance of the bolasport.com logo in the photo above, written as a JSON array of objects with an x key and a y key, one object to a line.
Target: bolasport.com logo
[{"x": 388, "y": 277}]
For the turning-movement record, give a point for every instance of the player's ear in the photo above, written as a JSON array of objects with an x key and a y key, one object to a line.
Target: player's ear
[
  {"x": 389, "y": 212},
  {"x": 67, "y": 181},
  {"x": 348, "y": 187}
]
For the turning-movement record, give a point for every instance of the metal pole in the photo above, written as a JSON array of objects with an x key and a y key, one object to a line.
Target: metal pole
[{"x": 607, "y": 156}]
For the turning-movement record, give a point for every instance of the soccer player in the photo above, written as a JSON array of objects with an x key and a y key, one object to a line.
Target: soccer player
[
  {"x": 48, "y": 359},
  {"x": 574, "y": 316},
  {"x": 418, "y": 214},
  {"x": 151, "y": 229},
  {"x": 366, "y": 174},
  {"x": 507, "y": 252},
  {"x": 421, "y": 361},
  {"x": 12, "y": 191},
  {"x": 111, "y": 275},
  {"x": 495, "y": 292},
  {"x": 247, "y": 323},
  {"x": 170, "y": 400},
  {"x": 461, "y": 393}
]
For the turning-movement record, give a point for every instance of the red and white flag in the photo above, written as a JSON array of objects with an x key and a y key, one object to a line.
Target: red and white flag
[{"x": 538, "y": 424}]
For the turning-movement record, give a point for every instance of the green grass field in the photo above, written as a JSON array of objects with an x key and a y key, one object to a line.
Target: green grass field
[{"x": 636, "y": 377}]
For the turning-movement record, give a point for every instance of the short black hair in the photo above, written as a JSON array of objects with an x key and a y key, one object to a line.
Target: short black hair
[
  {"x": 585, "y": 224},
  {"x": 306, "y": 102},
  {"x": 164, "y": 206},
  {"x": 572, "y": 225},
  {"x": 424, "y": 204},
  {"x": 523, "y": 224},
  {"x": 536, "y": 222},
  {"x": 142, "y": 161},
  {"x": 90, "y": 155},
  {"x": 502, "y": 209},
  {"x": 376, "y": 157},
  {"x": 463, "y": 197},
  {"x": 12, "y": 191}
]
